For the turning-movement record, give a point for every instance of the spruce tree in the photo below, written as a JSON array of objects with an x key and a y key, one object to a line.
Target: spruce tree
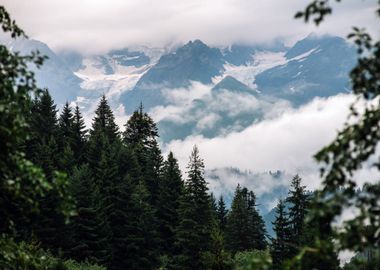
[
  {"x": 65, "y": 124},
  {"x": 104, "y": 132},
  {"x": 103, "y": 159},
  {"x": 79, "y": 139},
  {"x": 213, "y": 205},
  {"x": 119, "y": 219},
  {"x": 89, "y": 240},
  {"x": 141, "y": 135},
  {"x": 256, "y": 223},
  {"x": 65, "y": 140},
  {"x": 104, "y": 121},
  {"x": 170, "y": 189},
  {"x": 196, "y": 220},
  {"x": 298, "y": 201},
  {"x": 238, "y": 233},
  {"x": 280, "y": 244},
  {"x": 222, "y": 213},
  {"x": 42, "y": 145},
  {"x": 42, "y": 149},
  {"x": 218, "y": 257},
  {"x": 245, "y": 226},
  {"x": 141, "y": 249}
]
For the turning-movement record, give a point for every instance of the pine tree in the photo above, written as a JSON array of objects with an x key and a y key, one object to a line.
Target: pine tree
[
  {"x": 298, "y": 201},
  {"x": 103, "y": 158},
  {"x": 257, "y": 225},
  {"x": 196, "y": 221},
  {"x": 245, "y": 227},
  {"x": 141, "y": 135},
  {"x": 104, "y": 121},
  {"x": 65, "y": 140},
  {"x": 120, "y": 215},
  {"x": 280, "y": 244},
  {"x": 213, "y": 205},
  {"x": 238, "y": 233},
  {"x": 140, "y": 129},
  {"x": 141, "y": 249},
  {"x": 222, "y": 213},
  {"x": 170, "y": 189},
  {"x": 42, "y": 149},
  {"x": 66, "y": 122},
  {"x": 89, "y": 240},
  {"x": 219, "y": 258},
  {"x": 104, "y": 132},
  {"x": 79, "y": 139}
]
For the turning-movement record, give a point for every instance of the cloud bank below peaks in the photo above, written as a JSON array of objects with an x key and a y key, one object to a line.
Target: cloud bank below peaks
[{"x": 286, "y": 142}]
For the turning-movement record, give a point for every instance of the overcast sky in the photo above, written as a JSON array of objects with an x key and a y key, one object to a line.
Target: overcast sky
[{"x": 99, "y": 25}]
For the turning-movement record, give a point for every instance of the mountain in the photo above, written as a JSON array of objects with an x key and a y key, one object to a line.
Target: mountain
[
  {"x": 239, "y": 55},
  {"x": 54, "y": 74},
  {"x": 228, "y": 106},
  {"x": 315, "y": 66},
  {"x": 231, "y": 84},
  {"x": 196, "y": 89},
  {"x": 194, "y": 61}
]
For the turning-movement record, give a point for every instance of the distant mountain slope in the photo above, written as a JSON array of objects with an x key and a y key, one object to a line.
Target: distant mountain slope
[
  {"x": 244, "y": 54},
  {"x": 197, "y": 89},
  {"x": 317, "y": 66},
  {"x": 233, "y": 85},
  {"x": 54, "y": 74},
  {"x": 194, "y": 61}
]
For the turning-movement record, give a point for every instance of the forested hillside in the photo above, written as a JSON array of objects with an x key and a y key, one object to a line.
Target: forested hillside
[{"x": 135, "y": 209}]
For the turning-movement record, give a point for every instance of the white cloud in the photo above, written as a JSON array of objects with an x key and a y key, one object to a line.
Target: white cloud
[
  {"x": 98, "y": 25},
  {"x": 208, "y": 121},
  {"x": 184, "y": 96},
  {"x": 286, "y": 142}
]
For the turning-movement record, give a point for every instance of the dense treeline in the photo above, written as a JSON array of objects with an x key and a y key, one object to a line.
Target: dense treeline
[{"x": 133, "y": 208}]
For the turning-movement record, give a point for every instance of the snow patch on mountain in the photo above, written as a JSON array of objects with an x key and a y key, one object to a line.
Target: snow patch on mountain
[
  {"x": 261, "y": 61},
  {"x": 123, "y": 79}
]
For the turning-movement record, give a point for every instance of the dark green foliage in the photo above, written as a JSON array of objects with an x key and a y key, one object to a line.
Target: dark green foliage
[
  {"x": 103, "y": 134},
  {"x": 257, "y": 225},
  {"x": 281, "y": 243},
  {"x": 65, "y": 124},
  {"x": 222, "y": 214},
  {"x": 42, "y": 147},
  {"x": 119, "y": 216},
  {"x": 193, "y": 236},
  {"x": 140, "y": 129},
  {"x": 71, "y": 137},
  {"x": 252, "y": 260},
  {"x": 141, "y": 135},
  {"x": 89, "y": 240},
  {"x": 298, "y": 201},
  {"x": 79, "y": 136},
  {"x": 218, "y": 258},
  {"x": 170, "y": 189},
  {"x": 104, "y": 121},
  {"x": 237, "y": 225},
  {"x": 22, "y": 256},
  {"x": 245, "y": 227},
  {"x": 43, "y": 150},
  {"x": 141, "y": 249},
  {"x": 22, "y": 184}
]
